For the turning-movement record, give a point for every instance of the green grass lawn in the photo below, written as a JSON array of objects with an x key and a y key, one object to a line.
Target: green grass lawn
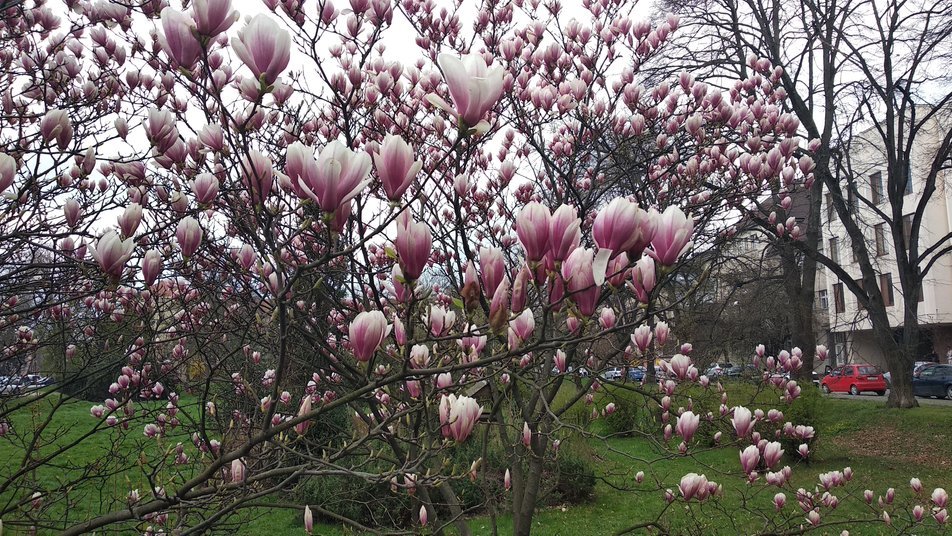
[{"x": 884, "y": 447}]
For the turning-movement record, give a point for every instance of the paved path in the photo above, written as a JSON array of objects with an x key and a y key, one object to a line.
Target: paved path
[{"x": 871, "y": 397}]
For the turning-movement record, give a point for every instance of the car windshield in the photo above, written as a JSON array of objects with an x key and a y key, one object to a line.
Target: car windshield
[{"x": 868, "y": 370}]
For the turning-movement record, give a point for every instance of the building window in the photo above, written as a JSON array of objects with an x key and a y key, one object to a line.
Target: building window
[
  {"x": 907, "y": 230},
  {"x": 824, "y": 299},
  {"x": 839, "y": 300},
  {"x": 886, "y": 288},
  {"x": 876, "y": 187},
  {"x": 859, "y": 299},
  {"x": 908, "y": 177},
  {"x": 835, "y": 250},
  {"x": 880, "y": 239},
  {"x": 829, "y": 207}
]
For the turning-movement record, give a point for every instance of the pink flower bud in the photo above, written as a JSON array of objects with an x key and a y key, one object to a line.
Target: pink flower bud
[
  {"x": 413, "y": 246},
  {"x": 8, "y": 171},
  {"x": 395, "y": 166},
  {"x": 56, "y": 125},
  {"x": 532, "y": 227},
  {"x": 366, "y": 332},
  {"x": 564, "y": 232},
  {"x": 129, "y": 220},
  {"x": 73, "y": 211},
  {"x": 493, "y": 268},
  {"x": 687, "y": 425},
  {"x": 205, "y": 186},
  {"x": 257, "y": 175},
  {"x": 749, "y": 458},
  {"x": 189, "y": 235},
  {"x": 308, "y": 520},
  {"x": 742, "y": 421}
]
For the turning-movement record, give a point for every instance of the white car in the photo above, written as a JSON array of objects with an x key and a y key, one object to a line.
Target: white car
[
  {"x": 612, "y": 374},
  {"x": 10, "y": 385}
]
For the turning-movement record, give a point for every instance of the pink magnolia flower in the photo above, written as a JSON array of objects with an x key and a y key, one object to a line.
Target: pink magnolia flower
[
  {"x": 56, "y": 125},
  {"x": 498, "y": 310},
  {"x": 507, "y": 480},
  {"x": 940, "y": 498},
  {"x": 821, "y": 352},
  {"x": 679, "y": 365},
  {"x": 743, "y": 421},
  {"x": 395, "y": 166},
  {"x": 532, "y": 227},
  {"x": 366, "y": 332},
  {"x": 8, "y": 171},
  {"x": 440, "y": 320},
  {"x": 213, "y": 17},
  {"x": 560, "y": 361},
  {"x": 129, "y": 219},
  {"x": 413, "y": 246},
  {"x": 424, "y": 517},
  {"x": 693, "y": 485},
  {"x": 916, "y": 485},
  {"x": 772, "y": 454},
  {"x": 189, "y": 235},
  {"x": 493, "y": 268},
  {"x": 526, "y": 434},
  {"x": 112, "y": 253},
  {"x": 565, "y": 232},
  {"x": 779, "y": 500},
  {"x": 308, "y": 520},
  {"x": 673, "y": 236},
  {"x": 643, "y": 278},
  {"x": 520, "y": 289},
  {"x": 151, "y": 266},
  {"x": 72, "y": 211},
  {"x": 523, "y": 325},
  {"x": 749, "y": 458},
  {"x": 264, "y": 47},
  {"x": 474, "y": 88},
  {"x": 205, "y": 186},
  {"x": 584, "y": 274},
  {"x": 687, "y": 425},
  {"x": 620, "y": 227},
  {"x": 459, "y": 415},
  {"x": 661, "y": 332},
  {"x": 607, "y": 318},
  {"x": 334, "y": 179},
  {"x": 237, "y": 471},
  {"x": 178, "y": 38}
]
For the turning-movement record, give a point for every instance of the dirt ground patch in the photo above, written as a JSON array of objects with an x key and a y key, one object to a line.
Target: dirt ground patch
[{"x": 891, "y": 444}]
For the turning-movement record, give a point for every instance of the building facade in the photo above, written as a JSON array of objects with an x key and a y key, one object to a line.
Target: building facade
[{"x": 851, "y": 339}]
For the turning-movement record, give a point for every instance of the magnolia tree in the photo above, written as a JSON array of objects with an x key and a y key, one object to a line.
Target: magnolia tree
[{"x": 272, "y": 251}]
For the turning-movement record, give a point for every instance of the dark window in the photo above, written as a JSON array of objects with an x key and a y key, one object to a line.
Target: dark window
[
  {"x": 886, "y": 288},
  {"x": 835, "y": 250},
  {"x": 839, "y": 300},
  {"x": 907, "y": 230},
  {"x": 852, "y": 198},
  {"x": 876, "y": 187},
  {"x": 850, "y": 371},
  {"x": 823, "y": 299},
  {"x": 868, "y": 370},
  {"x": 922, "y": 294},
  {"x": 880, "y": 239}
]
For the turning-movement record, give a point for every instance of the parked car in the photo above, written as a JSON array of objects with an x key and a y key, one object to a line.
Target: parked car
[
  {"x": 917, "y": 369},
  {"x": 9, "y": 385},
  {"x": 854, "y": 379},
  {"x": 933, "y": 381},
  {"x": 636, "y": 374},
  {"x": 32, "y": 382},
  {"x": 613, "y": 374},
  {"x": 718, "y": 369}
]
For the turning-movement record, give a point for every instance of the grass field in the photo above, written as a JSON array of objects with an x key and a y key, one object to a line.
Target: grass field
[{"x": 884, "y": 447}]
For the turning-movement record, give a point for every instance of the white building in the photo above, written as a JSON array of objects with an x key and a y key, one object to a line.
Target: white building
[{"x": 851, "y": 336}]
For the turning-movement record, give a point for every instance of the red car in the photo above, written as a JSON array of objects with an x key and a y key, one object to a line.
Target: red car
[{"x": 854, "y": 379}]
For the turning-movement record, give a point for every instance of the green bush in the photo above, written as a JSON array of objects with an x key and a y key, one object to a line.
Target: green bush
[
  {"x": 372, "y": 504},
  {"x": 575, "y": 479},
  {"x": 804, "y": 410},
  {"x": 633, "y": 412}
]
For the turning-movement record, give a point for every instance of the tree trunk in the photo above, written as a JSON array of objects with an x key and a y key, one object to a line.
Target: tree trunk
[{"x": 450, "y": 498}]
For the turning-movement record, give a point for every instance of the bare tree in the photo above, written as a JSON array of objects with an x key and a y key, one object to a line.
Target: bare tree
[{"x": 856, "y": 73}]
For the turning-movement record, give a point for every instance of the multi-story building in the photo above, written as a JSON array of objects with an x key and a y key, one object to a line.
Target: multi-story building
[{"x": 851, "y": 335}]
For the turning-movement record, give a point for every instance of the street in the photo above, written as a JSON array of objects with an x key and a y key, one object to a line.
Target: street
[{"x": 872, "y": 397}]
